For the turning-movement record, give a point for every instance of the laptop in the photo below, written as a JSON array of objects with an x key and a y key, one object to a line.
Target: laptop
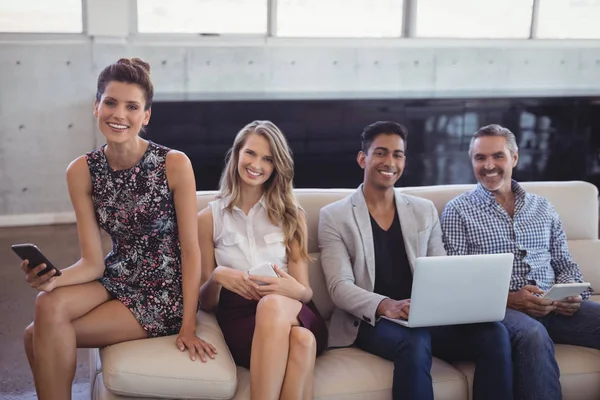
[{"x": 452, "y": 290}]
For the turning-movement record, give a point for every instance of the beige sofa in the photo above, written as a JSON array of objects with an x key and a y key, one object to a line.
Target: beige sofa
[{"x": 153, "y": 368}]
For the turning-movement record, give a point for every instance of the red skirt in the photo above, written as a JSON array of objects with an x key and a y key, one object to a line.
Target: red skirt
[{"x": 236, "y": 316}]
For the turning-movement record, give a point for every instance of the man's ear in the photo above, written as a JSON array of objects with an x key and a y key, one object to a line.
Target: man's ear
[
  {"x": 515, "y": 159},
  {"x": 361, "y": 159}
]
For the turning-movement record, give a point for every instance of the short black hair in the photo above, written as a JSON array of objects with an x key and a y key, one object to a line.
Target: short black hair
[{"x": 380, "y": 128}]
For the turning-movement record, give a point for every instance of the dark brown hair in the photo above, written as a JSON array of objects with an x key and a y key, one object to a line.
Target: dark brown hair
[
  {"x": 381, "y": 128},
  {"x": 134, "y": 70}
]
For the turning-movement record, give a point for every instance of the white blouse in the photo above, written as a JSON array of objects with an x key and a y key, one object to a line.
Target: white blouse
[{"x": 245, "y": 241}]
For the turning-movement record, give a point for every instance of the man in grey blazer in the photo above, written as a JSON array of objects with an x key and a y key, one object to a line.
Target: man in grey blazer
[{"x": 369, "y": 242}]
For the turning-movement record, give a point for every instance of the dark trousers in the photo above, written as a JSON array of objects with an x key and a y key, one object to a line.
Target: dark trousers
[
  {"x": 411, "y": 349},
  {"x": 536, "y": 371}
]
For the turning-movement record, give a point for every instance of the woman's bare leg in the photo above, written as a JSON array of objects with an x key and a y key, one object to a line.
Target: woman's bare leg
[
  {"x": 28, "y": 339},
  {"x": 275, "y": 317},
  {"x": 52, "y": 340},
  {"x": 299, "y": 374}
]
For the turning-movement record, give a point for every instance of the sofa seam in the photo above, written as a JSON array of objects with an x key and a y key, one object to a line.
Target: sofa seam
[
  {"x": 580, "y": 373},
  {"x": 351, "y": 394},
  {"x": 171, "y": 377},
  {"x": 464, "y": 380},
  {"x": 118, "y": 392}
]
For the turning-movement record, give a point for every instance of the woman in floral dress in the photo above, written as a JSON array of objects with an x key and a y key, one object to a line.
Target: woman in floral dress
[{"x": 143, "y": 195}]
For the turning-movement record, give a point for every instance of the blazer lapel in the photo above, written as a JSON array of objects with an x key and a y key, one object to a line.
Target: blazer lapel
[
  {"x": 409, "y": 227},
  {"x": 363, "y": 221}
]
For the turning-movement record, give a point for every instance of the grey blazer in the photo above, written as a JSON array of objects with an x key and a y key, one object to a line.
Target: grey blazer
[{"x": 348, "y": 257}]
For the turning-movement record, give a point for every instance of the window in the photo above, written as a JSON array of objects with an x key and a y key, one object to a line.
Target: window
[
  {"x": 339, "y": 18},
  {"x": 202, "y": 16},
  {"x": 41, "y": 16},
  {"x": 569, "y": 19},
  {"x": 474, "y": 18}
]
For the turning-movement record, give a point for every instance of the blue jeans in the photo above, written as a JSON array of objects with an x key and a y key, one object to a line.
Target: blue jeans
[
  {"x": 411, "y": 350},
  {"x": 536, "y": 370}
]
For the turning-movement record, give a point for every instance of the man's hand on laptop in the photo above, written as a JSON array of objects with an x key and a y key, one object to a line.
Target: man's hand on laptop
[
  {"x": 396, "y": 309},
  {"x": 569, "y": 306},
  {"x": 525, "y": 300}
]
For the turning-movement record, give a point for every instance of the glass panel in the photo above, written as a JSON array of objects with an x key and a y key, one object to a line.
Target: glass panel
[
  {"x": 41, "y": 16},
  {"x": 474, "y": 18},
  {"x": 202, "y": 16},
  {"x": 339, "y": 18},
  {"x": 569, "y": 19}
]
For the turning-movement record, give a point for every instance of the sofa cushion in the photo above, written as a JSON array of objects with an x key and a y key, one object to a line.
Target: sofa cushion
[
  {"x": 312, "y": 200},
  {"x": 352, "y": 374},
  {"x": 579, "y": 372},
  {"x": 585, "y": 253},
  {"x": 318, "y": 284},
  {"x": 155, "y": 368}
]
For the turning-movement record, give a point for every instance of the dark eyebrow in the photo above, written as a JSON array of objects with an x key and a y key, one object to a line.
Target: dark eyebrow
[
  {"x": 498, "y": 153},
  {"x": 128, "y": 101},
  {"x": 387, "y": 150}
]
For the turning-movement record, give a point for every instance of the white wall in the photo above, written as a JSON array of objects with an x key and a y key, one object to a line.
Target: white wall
[{"x": 47, "y": 88}]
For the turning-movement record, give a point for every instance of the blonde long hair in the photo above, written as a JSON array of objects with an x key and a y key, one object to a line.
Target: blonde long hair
[{"x": 282, "y": 206}]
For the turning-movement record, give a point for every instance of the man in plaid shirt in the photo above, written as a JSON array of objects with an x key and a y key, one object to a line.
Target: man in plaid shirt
[{"x": 498, "y": 216}]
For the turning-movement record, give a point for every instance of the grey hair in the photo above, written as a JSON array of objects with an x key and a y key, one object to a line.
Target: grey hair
[{"x": 496, "y": 130}]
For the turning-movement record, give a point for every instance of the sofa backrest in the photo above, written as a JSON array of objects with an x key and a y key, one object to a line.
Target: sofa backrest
[{"x": 576, "y": 202}]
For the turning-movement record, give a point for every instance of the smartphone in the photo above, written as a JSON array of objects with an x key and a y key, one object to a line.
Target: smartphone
[
  {"x": 29, "y": 251},
  {"x": 561, "y": 291},
  {"x": 265, "y": 269}
]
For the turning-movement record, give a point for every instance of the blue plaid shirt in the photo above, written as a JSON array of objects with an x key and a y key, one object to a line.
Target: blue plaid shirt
[{"x": 475, "y": 223}]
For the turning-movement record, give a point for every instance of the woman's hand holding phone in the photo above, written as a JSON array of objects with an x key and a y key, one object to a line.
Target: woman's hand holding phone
[
  {"x": 43, "y": 283},
  {"x": 40, "y": 265},
  {"x": 238, "y": 282},
  {"x": 284, "y": 285}
]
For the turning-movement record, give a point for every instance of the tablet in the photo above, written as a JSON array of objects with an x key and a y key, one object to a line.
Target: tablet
[{"x": 561, "y": 291}]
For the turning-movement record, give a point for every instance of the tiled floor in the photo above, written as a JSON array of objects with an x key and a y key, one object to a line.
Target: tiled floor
[{"x": 59, "y": 243}]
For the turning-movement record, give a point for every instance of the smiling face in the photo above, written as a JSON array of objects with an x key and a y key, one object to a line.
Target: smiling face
[
  {"x": 120, "y": 112},
  {"x": 255, "y": 161},
  {"x": 493, "y": 163},
  {"x": 384, "y": 161}
]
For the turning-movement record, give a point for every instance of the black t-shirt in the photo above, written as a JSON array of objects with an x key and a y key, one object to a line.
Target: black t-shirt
[{"x": 393, "y": 277}]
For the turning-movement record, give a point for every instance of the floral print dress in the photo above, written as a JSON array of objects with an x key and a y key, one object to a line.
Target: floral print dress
[{"x": 135, "y": 207}]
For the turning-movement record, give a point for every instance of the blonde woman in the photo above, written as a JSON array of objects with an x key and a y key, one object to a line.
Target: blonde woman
[{"x": 273, "y": 327}]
